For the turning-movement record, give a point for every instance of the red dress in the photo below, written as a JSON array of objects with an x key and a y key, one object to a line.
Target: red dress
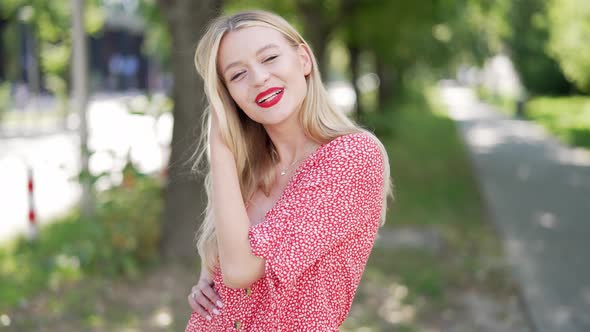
[{"x": 316, "y": 241}]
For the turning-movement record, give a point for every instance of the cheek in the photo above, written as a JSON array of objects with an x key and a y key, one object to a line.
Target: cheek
[
  {"x": 301, "y": 83},
  {"x": 238, "y": 96},
  {"x": 297, "y": 74}
]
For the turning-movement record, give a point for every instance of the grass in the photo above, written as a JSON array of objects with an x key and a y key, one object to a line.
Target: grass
[
  {"x": 506, "y": 104},
  {"x": 403, "y": 289},
  {"x": 435, "y": 189},
  {"x": 566, "y": 117},
  {"x": 121, "y": 239}
]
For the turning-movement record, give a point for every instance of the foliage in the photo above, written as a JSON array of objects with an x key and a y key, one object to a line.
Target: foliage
[
  {"x": 157, "y": 44},
  {"x": 566, "y": 117},
  {"x": 119, "y": 240},
  {"x": 569, "y": 40},
  {"x": 397, "y": 31},
  {"x": 506, "y": 104},
  {"x": 4, "y": 99},
  {"x": 444, "y": 180},
  {"x": 49, "y": 22},
  {"x": 527, "y": 41},
  {"x": 477, "y": 28}
]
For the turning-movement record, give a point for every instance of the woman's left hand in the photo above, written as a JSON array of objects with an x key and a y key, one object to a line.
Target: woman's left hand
[{"x": 203, "y": 299}]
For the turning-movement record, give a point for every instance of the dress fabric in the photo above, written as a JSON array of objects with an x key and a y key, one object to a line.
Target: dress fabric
[{"x": 316, "y": 241}]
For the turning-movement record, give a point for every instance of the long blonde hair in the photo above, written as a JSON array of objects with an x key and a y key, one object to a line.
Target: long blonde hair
[{"x": 254, "y": 152}]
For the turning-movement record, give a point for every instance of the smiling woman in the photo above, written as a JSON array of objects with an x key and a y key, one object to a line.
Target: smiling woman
[
  {"x": 296, "y": 190},
  {"x": 258, "y": 72}
]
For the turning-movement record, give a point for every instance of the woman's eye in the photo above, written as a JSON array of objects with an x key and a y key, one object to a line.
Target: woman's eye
[
  {"x": 236, "y": 76},
  {"x": 270, "y": 58}
]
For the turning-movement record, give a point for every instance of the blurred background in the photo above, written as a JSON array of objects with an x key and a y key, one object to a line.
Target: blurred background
[{"x": 483, "y": 106}]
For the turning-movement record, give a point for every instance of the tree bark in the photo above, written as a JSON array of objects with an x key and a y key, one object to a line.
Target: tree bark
[
  {"x": 354, "y": 53},
  {"x": 387, "y": 80},
  {"x": 80, "y": 96},
  {"x": 185, "y": 197},
  {"x": 317, "y": 31},
  {"x": 3, "y": 24}
]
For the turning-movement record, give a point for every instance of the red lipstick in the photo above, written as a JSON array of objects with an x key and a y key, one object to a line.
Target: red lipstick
[{"x": 269, "y": 97}]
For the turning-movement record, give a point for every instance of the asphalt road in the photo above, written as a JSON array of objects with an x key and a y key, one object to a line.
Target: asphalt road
[{"x": 538, "y": 193}]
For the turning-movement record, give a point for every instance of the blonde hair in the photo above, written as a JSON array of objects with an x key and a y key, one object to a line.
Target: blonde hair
[{"x": 244, "y": 137}]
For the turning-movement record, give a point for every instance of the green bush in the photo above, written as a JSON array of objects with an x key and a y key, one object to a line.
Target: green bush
[
  {"x": 569, "y": 42},
  {"x": 539, "y": 73},
  {"x": 130, "y": 216},
  {"x": 566, "y": 117},
  {"x": 119, "y": 240},
  {"x": 4, "y": 98},
  {"x": 505, "y": 104}
]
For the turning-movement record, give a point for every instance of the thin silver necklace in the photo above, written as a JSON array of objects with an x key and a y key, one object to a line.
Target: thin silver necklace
[{"x": 284, "y": 171}]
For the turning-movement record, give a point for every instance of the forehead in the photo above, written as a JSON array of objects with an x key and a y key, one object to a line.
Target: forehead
[{"x": 243, "y": 43}]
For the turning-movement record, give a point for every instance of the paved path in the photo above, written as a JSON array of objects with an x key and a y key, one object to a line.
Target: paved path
[
  {"x": 538, "y": 193},
  {"x": 53, "y": 158}
]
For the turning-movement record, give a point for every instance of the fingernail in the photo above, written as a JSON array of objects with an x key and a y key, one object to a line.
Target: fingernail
[
  {"x": 215, "y": 311},
  {"x": 208, "y": 317},
  {"x": 219, "y": 304}
]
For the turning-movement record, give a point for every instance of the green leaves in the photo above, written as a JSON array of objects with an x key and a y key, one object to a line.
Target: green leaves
[{"x": 569, "y": 39}]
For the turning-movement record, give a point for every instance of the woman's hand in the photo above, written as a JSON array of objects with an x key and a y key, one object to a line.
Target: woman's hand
[
  {"x": 216, "y": 144},
  {"x": 203, "y": 298},
  {"x": 214, "y": 133}
]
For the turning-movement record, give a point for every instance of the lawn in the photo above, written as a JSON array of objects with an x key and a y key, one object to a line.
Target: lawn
[
  {"x": 566, "y": 117},
  {"x": 413, "y": 286},
  {"x": 420, "y": 287}
]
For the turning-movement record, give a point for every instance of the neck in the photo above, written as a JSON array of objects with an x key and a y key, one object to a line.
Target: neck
[{"x": 291, "y": 143}]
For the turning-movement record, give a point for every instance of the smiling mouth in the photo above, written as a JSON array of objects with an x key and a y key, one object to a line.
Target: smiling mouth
[
  {"x": 270, "y": 99},
  {"x": 270, "y": 96}
]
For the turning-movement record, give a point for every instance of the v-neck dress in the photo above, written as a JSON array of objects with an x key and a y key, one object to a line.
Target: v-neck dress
[{"x": 316, "y": 241}]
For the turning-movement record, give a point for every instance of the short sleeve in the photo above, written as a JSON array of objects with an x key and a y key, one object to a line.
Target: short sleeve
[{"x": 341, "y": 196}]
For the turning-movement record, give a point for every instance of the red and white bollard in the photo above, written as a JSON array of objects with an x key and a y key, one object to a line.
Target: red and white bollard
[{"x": 33, "y": 227}]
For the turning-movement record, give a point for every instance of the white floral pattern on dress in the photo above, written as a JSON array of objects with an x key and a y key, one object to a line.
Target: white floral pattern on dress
[{"x": 316, "y": 241}]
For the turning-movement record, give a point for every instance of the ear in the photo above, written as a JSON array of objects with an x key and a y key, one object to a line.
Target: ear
[{"x": 305, "y": 58}]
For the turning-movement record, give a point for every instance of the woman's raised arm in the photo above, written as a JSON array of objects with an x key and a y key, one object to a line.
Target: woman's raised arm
[{"x": 239, "y": 267}]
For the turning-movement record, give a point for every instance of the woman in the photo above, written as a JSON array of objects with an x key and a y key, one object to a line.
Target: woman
[{"x": 296, "y": 190}]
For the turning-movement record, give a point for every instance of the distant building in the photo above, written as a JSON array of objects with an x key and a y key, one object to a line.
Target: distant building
[{"x": 115, "y": 59}]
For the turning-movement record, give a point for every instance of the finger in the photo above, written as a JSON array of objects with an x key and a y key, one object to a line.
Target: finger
[
  {"x": 207, "y": 280},
  {"x": 197, "y": 307},
  {"x": 212, "y": 295},
  {"x": 206, "y": 303},
  {"x": 202, "y": 299}
]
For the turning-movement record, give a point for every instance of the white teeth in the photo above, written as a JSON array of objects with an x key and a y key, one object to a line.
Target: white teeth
[{"x": 269, "y": 96}]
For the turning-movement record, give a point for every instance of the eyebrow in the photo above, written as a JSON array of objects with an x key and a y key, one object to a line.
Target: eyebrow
[{"x": 262, "y": 49}]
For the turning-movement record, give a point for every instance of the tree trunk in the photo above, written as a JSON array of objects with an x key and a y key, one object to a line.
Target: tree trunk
[
  {"x": 80, "y": 96},
  {"x": 387, "y": 78},
  {"x": 354, "y": 53},
  {"x": 3, "y": 24},
  {"x": 317, "y": 32},
  {"x": 185, "y": 198}
]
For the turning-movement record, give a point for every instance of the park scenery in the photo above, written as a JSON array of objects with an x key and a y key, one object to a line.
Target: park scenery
[{"x": 483, "y": 107}]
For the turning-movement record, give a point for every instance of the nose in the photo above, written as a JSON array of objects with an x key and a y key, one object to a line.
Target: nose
[{"x": 259, "y": 75}]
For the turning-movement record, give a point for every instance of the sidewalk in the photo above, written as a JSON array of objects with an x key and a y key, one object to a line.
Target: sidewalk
[
  {"x": 538, "y": 193},
  {"x": 38, "y": 118},
  {"x": 51, "y": 152}
]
